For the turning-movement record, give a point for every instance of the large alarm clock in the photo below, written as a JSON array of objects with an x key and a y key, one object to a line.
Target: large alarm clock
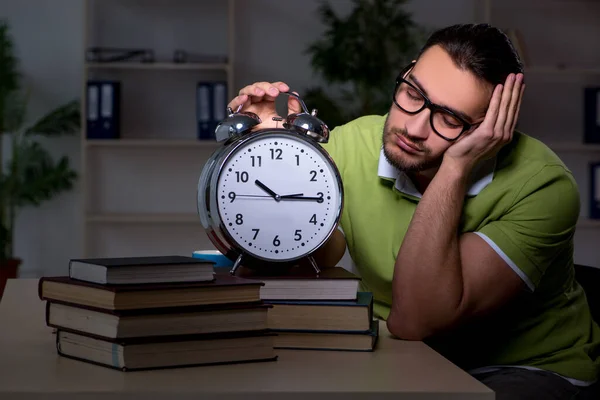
[{"x": 269, "y": 198}]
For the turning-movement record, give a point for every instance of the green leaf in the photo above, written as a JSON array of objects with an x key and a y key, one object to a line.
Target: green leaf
[
  {"x": 15, "y": 112},
  {"x": 65, "y": 119},
  {"x": 363, "y": 51},
  {"x": 36, "y": 177}
]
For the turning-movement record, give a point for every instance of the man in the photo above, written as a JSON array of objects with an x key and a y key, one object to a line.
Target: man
[{"x": 461, "y": 226}]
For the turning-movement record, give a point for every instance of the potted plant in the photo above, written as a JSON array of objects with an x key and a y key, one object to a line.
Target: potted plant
[
  {"x": 28, "y": 173},
  {"x": 361, "y": 53}
]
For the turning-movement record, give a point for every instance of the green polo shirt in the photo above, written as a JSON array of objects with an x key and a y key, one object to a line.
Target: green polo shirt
[{"x": 525, "y": 205}]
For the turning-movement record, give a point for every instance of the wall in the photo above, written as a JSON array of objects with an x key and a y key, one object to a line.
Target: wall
[{"x": 271, "y": 37}]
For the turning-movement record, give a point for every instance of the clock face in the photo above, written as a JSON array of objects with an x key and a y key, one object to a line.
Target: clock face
[{"x": 278, "y": 197}]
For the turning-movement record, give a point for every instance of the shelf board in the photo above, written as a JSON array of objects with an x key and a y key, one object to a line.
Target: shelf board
[
  {"x": 185, "y": 143},
  {"x": 158, "y": 66},
  {"x": 572, "y": 147},
  {"x": 552, "y": 69},
  {"x": 151, "y": 218}
]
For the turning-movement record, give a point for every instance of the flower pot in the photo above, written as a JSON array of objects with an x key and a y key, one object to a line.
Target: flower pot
[{"x": 8, "y": 270}]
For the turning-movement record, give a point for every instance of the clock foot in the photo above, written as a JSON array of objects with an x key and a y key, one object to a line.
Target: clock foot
[
  {"x": 314, "y": 264},
  {"x": 237, "y": 263}
]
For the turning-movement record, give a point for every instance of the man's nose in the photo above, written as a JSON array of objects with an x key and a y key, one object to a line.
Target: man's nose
[{"x": 418, "y": 125}]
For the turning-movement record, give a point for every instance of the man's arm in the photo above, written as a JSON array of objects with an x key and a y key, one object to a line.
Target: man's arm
[
  {"x": 441, "y": 277},
  {"x": 332, "y": 252}
]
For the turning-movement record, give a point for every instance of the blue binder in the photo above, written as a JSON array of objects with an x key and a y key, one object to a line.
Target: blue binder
[
  {"x": 211, "y": 104},
  {"x": 103, "y": 101},
  {"x": 595, "y": 190},
  {"x": 592, "y": 114}
]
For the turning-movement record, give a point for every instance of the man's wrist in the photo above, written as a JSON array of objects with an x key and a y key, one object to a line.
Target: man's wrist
[{"x": 455, "y": 169}]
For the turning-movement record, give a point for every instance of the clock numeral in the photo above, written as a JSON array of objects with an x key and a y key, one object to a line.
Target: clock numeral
[
  {"x": 231, "y": 196},
  {"x": 298, "y": 235},
  {"x": 255, "y": 233},
  {"x": 256, "y": 160},
  {"x": 241, "y": 176},
  {"x": 239, "y": 219},
  {"x": 297, "y": 159},
  {"x": 313, "y": 219},
  {"x": 320, "y": 195},
  {"x": 276, "y": 241},
  {"x": 313, "y": 178},
  {"x": 276, "y": 154}
]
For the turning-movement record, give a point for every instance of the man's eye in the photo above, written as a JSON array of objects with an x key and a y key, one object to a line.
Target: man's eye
[
  {"x": 413, "y": 95},
  {"x": 451, "y": 123}
]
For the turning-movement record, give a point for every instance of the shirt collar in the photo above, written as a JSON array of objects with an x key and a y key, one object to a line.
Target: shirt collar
[{"x": 481, "y": 176}]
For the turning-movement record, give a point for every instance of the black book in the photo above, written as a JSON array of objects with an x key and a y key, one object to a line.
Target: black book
[{"x": 138, "y": 270}]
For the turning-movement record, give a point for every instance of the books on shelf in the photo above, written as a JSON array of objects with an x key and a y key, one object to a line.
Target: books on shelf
[
  {"x": 130, "y": 270},
  {"x": 591, "y": 107},
  {"x": 595, "y": 190}
]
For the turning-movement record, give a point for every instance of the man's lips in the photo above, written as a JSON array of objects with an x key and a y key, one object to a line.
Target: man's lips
[{"x": 407, "y": 146}]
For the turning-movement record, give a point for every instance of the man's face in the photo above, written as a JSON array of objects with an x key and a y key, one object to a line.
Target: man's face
[{"x": 409, "y": 142}]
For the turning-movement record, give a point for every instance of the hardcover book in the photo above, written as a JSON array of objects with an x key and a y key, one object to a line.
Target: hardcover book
[
  {"x": 322, "y": 315},
  {"x": 167, "y": 352},
  {"x": 166, "y": 321},
  {"x": 334, "y": 283},
  {"x": 153, "y": 269},
  {"x": 329, "y": 340},
  {"x": 223, "y": 289}
]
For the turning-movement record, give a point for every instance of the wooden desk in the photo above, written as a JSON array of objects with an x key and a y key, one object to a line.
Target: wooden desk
[{"x": 30, "y": 368}]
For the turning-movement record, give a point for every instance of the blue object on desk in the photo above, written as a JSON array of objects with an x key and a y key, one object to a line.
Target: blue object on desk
[{"x": 215, "y": 256}]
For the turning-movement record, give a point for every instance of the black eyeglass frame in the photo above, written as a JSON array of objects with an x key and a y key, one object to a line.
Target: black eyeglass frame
[{"x": 428, "y": 104}]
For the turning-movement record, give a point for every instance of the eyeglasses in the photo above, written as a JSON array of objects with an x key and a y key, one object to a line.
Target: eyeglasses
[{"x": 410, "y": 99}]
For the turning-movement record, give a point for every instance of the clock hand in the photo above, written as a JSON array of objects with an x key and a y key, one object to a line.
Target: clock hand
[
  {"x": 266, "y": 189},
  {"x": 291, "y": 195},
  {"x": 303, "y": 198},
  {"x": 253, "y": 195}
]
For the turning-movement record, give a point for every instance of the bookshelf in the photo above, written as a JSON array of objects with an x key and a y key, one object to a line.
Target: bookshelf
[
  {"x": 139, "y": 191},
  {"x": 556, "y": 36}
]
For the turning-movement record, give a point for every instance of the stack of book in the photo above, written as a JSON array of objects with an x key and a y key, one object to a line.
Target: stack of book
[
  {"x": 317, "y": 312},
  {"x": 156, "y": 312}
]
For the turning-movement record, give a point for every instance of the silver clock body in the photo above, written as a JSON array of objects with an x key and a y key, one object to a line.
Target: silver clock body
[{"x": 246, "y": 222}]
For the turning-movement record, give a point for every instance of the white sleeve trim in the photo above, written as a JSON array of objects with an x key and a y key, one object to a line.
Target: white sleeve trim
[{"x": 506, "y": 259}]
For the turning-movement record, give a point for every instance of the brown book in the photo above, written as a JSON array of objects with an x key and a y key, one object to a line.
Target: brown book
[
  {"x": 223, "y": 289},
  {"x": 167, "y": 351},
  {"x": 166, "y": 321},
  {"x": 303, "y": 283},
  {"x": 329, "y": 340},
  {"x": 322, "y": 315}
]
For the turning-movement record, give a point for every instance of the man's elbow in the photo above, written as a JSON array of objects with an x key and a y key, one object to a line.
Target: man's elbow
[{"x": 405, "y": 328}]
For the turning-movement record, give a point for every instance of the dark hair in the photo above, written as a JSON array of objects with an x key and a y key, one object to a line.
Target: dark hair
[{"x": 480, "y": 48}]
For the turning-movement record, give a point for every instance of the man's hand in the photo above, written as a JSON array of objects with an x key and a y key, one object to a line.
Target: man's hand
[
  {"x": 495, "y": 131},
  {"x": 259, "y": 98}
]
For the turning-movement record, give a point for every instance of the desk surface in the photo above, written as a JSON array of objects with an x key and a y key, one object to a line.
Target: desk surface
[{"x": 30, "y": 366}]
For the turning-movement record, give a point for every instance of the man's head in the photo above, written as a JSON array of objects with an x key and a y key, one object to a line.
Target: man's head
[{"x": 445, "y": 93}]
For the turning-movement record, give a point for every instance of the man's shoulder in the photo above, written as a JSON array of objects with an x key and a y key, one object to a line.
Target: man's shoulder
[
  {"x": 366, "y": 128},
  {"x": 528, "y": 157},
  {"x": 359, "y": 138}
]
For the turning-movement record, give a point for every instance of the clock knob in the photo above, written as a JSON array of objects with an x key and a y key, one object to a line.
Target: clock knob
[
  {"x": 236, "y": 124},
  {"x": 307, "y": 123}
]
